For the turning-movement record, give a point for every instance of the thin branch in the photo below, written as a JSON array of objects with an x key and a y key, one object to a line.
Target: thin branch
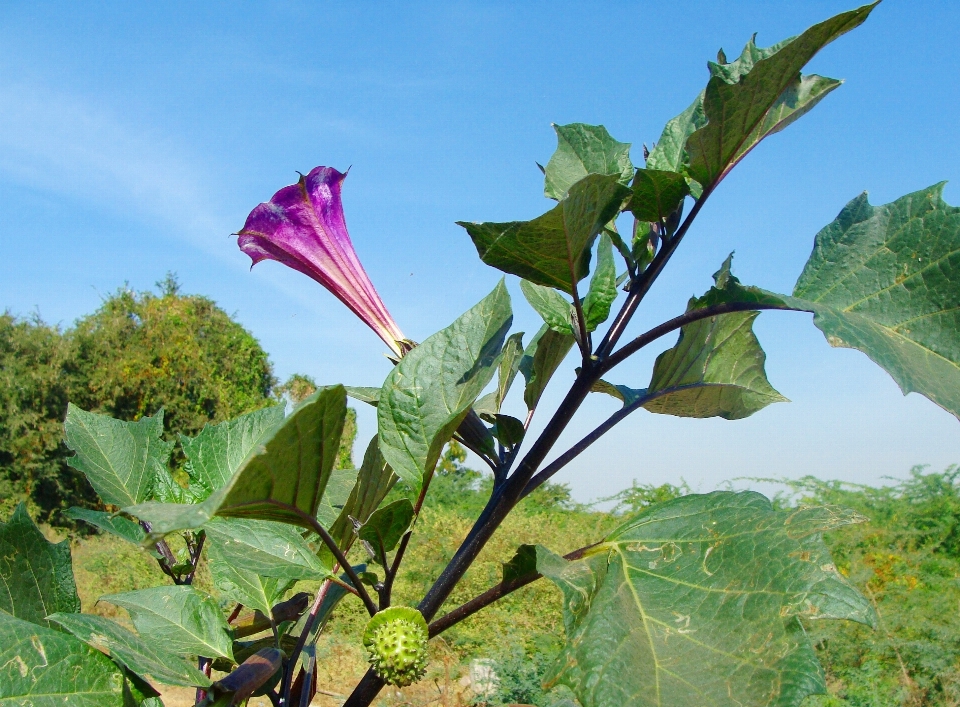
[
  {"x": 195, "y": 558},
  {"x": 342, "y": 561},
  {"x": 645, "y": 281},
  {"x": 391, "y": 572},
  {"x": 493, "y": 594},
  {"x": 631, "y": 348}
]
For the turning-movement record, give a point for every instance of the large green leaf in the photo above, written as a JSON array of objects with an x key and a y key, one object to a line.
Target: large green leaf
[
  {"x": 120, "y": 459},
  {"x": 265, "y": 548},
  {"x": 282, "y": 479},
  {"x": 243, "y": 586},
  {"x": 338, "y": 490},
  {"x": 760, "y": 96},
  {"x": 110, "y": 523},
  {"x": 886, "y": 280},
  {"x": 698, "y": 601},
  {"x": 603, "y": 286},
  {"x": 180, "y": 618},
  {"x": 541, "y": 358},
  {"x": 217, "y": 452},
  {"x": 374, "y": 481},
  {"x": 670, "y": 152},
  {"x": 582, "y": 150},
  {"x": 716, "y": 368},
  {"x": 553, "y": 249},
  {"x": 36, "y": 576},
  {"x": 128, "y": 648},
  {"x": 429, "y": 393},
  {"x": 44, "y": 668},
  {"x": 552, "y": 307}
]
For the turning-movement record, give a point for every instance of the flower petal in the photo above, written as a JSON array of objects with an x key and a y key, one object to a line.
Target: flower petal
[{"x": 303, "y": 227}]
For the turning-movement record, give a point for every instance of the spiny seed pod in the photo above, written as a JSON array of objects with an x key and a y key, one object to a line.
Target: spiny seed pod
[{"x": 396, "y": 642}]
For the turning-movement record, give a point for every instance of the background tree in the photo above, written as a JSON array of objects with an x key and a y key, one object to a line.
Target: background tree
[{"x": 138, "y": 352}]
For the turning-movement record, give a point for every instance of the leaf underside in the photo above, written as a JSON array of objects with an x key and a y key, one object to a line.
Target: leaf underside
[{"x": 698, "y": 601}]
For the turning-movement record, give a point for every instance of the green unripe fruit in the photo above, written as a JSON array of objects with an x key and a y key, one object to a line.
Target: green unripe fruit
[{"x": 396, "y": 642}]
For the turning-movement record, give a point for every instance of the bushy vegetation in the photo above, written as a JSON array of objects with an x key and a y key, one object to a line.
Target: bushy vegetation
[
  {"x": 906, "y": 559},
  {"x": 138, "y": 352}
]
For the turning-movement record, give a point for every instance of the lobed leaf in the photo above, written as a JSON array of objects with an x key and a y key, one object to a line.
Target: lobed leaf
[
  {"x": 338, "y": 490},
  {"x": 240, "y": 585},
  {"x": 283, "y": 477},
  {"x": 583, "y": 150},
  {"x": 554, "y": 249},
  {"x": 656, "y": 194},
  {"x": 36, "y": 576},
  {"x": 122, "y": 460},
  {"x": 429, "y": 393},
  {"x": 217, "y": 452},
  {"x": 760, "y": 95},
  {"x": 698, "y": 601},
  {"x": 886, "y": 280},
  {"x": 179, "y": 618}
]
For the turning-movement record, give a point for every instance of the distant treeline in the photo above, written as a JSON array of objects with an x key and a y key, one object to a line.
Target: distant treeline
[{"x": 139, "y": 352}]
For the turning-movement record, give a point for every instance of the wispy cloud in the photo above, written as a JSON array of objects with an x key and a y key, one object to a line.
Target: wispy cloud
[{"x": 69, "y": 146}]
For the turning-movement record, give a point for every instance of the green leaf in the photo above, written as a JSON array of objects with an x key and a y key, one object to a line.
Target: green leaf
[
  {"x": 120, "y": 459},
  {"x": 265, "y": 548},
  {"x": 670, "y": 152},
  {"x": 541, "y": 358},
  {"x": 217, "y": 452},
  {"x": 386, "y": 526},
  {"x": 727, "y": 289},
  {"x": 582, "y": 150},
  {"x": 523, "y": 563},
  {"x": 509, "y": 365},
  {"x": 338, "y": 490},
  {"x": 656, "y": 194},
  {"x": 370, "y": 396},
  {"x": 758, "y": 98},
  {"x": 886, "y": 280},
  {"x": 697, "y": 601},
  {"x": 36, "y": 576},
  {"x": 110, "y": 523},
  {"x": 44, "y": 668},
  {"x": 625, "y": 395},
  {"x": 243, "y": 586},
  {"x": 554, "y": 249},
  {"x": 715, "y": 370},
  {"x": 374, "y": 482},
  {"x": 603, "y": 286},
  {"x": 179, "y": 618},
  {"x": 550, "y": 305},
  {"x": 132, "y": 651},
  {"x": 429, "y": 393},
  {"x": 508, "y": 430},
  {"x": 282, "y": 479}
]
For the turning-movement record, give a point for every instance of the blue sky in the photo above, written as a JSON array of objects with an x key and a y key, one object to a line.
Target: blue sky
[{"x": 135, "y": 137}]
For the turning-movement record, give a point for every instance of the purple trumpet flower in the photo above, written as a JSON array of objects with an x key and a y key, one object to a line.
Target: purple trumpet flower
[{"x": 303, "y": 227}]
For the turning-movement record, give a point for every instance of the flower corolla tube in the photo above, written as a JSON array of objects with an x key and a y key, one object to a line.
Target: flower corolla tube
[{"x": 303, "y": 227}]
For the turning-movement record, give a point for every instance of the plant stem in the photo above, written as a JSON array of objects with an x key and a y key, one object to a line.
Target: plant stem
[
  {"x": 506, "y": 496},
  {"x": 484, "y": 600},
  {"x": 631, "y": 348},
  {"x": 342, "y": 561}
]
